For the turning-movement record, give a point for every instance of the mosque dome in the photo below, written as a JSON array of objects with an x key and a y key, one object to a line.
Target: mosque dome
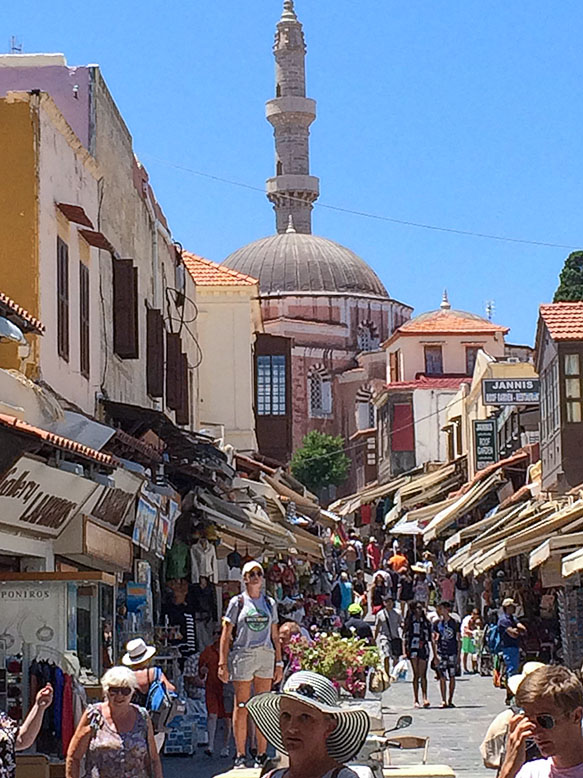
[{"x": 298, "y": 262}]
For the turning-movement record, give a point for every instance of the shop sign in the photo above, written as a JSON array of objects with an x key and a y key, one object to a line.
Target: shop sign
[
  {"x": 41, "y": 499},
  {"x": 485, "y": 447},
  {"x": 109, "y": 505},
  {"x": 32, "y": 613},
  {"x": 511, "y": 391}
]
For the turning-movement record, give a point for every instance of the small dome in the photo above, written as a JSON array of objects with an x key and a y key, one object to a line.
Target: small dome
[{"x": 296, "y": 262}]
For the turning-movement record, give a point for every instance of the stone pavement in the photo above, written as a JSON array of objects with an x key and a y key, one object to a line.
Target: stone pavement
[{"x": 455, "y": 734}]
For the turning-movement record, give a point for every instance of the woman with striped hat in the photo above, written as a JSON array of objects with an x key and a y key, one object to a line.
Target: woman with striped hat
[{"x": 305, "y": 721}]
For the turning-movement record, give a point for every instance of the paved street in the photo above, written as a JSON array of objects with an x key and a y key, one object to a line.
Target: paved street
[{"x": 455, "y": 733}]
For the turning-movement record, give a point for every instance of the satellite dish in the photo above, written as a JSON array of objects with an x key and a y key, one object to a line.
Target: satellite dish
[{"x": 9, "y": 331}]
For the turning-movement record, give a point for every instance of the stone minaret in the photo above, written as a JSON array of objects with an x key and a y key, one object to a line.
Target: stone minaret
[{"x": 293, "y": 190}]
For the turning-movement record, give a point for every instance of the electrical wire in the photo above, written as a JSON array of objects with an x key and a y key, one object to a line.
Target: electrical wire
[{"x": 369, "y": 215}]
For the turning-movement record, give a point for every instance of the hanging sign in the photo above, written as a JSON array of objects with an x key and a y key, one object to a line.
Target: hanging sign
[
  {"x": 40, "y": 498},
  {"x": 485, "y": 438},
  {"x": 511, "y": 391}
]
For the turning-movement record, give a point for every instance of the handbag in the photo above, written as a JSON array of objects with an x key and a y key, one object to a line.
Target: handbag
[{"x": 378, "y": 681}]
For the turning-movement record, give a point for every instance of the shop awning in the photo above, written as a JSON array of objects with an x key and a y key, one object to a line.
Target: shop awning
[
  {"x": 347, "y": 505},
  {"x": 406, "y": 527},
  {"x": 487, "y": 523},
  {"x": 559, "y": 545},
  {"x": 471, "y": 499},
  {"x": 222, "y": 512},
  {"x": 573, "y": 563},
  {"x": 429, "y": 487}
]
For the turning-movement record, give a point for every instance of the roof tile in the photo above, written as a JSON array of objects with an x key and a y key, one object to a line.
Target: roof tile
[
  {"x": 208, "y": 273},
  {"x": 58, "y": 441},
  {"x": 449, "y": 322},
  {"x": 564, "y": 321},
  {"x": 429, "y": 382}
]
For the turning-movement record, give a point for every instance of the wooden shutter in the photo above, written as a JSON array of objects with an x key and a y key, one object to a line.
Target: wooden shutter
[
  {"x": 63, "y": 299},
  {"x": 84, "y": 359},
  {"x": 155, "y": 353},
  {"x": 402, "y": 431},
  {"x": 173, "y": 370},
  {"x": 183, "y": 411},
  {"x": 125, "y": 309}
]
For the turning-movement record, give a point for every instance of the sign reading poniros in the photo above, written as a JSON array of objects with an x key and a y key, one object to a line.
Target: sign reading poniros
[{"x": 511, "y": 391}]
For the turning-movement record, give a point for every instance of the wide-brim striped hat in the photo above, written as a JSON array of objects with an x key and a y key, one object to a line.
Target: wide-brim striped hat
[{"x": 318, "y": 692}]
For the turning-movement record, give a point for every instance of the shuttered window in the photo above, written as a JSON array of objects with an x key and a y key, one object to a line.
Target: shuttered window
[
  {"x": 125, "y": 309},
  {"x": 63, "y": 299},
  {"x": 173, "y": 371},
  {"x": 155, "y": 353},
  {"x": 402, "y": 431},
  {"x": 183, "y": 411},
  {"x": 84, "y": 319}
]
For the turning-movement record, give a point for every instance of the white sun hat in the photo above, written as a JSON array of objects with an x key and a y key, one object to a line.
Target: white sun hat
[
  {"x": 137, "y": 651},
  {"x": 318, "y": 692}
]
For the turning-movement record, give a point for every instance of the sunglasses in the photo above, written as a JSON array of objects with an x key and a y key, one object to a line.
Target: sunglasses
[
  {"x": 544, "y": 720},
  {"x": 124, "y": 690},
  {"x": 256, "y": 574}
]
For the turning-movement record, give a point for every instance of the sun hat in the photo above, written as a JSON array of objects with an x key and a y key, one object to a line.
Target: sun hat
[
  {"x": 354, "y": 608},
  {"x": 320, "y": 693},
  {"x": 137, "y": 651},
  {"x": 515, "y": 680},
  {"x": 251, "y": 565},
  {"x": 508, "y": 601},
  {"x": 418, "y": 569}
]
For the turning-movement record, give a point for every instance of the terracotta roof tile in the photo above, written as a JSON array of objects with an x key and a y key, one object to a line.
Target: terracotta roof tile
[
  {"x": 429, "y": 382},
  {"x": 58, "y": 441},
  {"x": 17, "y": 310},
  {"x": 451, "y": 321},
  {"x": 564, "y": 321},
  {"x": 207, "y": 273}
]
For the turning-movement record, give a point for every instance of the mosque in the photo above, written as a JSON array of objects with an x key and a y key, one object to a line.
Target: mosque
[{"x": 325, "y": 311}]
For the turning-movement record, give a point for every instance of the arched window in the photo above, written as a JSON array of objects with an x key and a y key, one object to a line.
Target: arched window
[
  {"x": 279, "y": 168},
  {"x": 367, "y": 336},
  {"x": 366, "y": 417},
  {"x": 319, "y": 391}
]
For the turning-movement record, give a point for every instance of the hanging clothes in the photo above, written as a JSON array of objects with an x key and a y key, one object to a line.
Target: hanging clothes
[
  {"x": 203, "y": 561},
  {"x": 178, "y": 561},
  {"x": 366, "y": 514},
  {"x": 67, "y": 721}
]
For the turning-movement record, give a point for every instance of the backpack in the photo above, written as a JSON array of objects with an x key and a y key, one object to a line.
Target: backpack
[
  {"x": 159, "y": 702},
  {"x": 494, "y": 640}
]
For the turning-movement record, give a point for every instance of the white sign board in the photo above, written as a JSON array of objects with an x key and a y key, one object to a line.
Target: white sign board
[
  {"x": 41, "y": 499},
  {"x": 34, "y": 613}
]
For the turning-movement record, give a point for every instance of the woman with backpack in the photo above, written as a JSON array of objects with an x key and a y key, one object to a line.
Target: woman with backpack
[{"x": 254, "y": 660}]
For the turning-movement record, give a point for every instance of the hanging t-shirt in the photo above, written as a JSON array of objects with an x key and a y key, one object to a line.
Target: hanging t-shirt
[
  {"x": 253, "y": 617},
  {"x": 544, "y": 768}
]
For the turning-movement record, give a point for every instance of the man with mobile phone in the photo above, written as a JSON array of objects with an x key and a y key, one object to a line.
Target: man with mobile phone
[{"x": 550, "y": 703}]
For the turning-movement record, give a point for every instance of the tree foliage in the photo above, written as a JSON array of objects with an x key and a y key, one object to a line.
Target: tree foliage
[
  {"x": 571, "y": 279},
  {"x": 320, "y": 461}
]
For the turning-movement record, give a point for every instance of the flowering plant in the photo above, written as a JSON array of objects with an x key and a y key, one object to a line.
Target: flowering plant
[{"x": 345, "y": 661}]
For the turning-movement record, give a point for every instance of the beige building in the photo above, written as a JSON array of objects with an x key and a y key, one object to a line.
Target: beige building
[{"x": 229, "y": 317}]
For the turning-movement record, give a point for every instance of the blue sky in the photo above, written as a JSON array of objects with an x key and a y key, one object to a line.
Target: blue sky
[{"x": 457, "y": 113}]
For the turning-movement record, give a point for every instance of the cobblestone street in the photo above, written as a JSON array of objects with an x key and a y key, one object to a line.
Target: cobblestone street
[{"x": 455, "y": 734}]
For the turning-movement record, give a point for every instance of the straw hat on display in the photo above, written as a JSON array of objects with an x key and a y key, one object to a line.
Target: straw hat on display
[
  {"x": 137, "y": 652},
  {"x": 318, "y": 692}
]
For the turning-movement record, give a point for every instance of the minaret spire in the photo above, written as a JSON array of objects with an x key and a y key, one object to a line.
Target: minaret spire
[{"x": 293, "y": 190}]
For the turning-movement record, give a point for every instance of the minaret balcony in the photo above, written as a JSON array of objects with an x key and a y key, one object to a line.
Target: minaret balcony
[
  {"x": 283, "y": 108},
  {"x": 293, "y": 183}
]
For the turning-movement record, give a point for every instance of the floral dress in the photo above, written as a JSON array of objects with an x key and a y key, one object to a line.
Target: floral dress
[
  {"x": 8, "y": 735},
  {"x": 112, "y": 754}
]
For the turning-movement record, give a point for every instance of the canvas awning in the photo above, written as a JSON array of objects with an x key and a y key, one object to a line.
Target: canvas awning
[
  {"x": 472, "y": 498},
  {"x": 487, "y": 523},
  {"x": 559, "y": 545},
  {"x": 405, "y": 527},
  {"x": 572, "y": 563}
]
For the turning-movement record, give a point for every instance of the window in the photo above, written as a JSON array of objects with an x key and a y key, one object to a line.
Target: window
[
  {"x": 433, "y": 360},
  {"x": 367, "y": 337},
  {"x": 573, "y": 387},
  {"x": 62, "y": 299},
  {"x": 471, "y": 355},
  {"x": 319, "y": 392},
  {"x": 84, "y": 319},
  {"x": 154, "y": 353},
  {"x": 395, "y": 366},
  {"x": 402, "y": 430},
  {"x": 279, "y": 168},
  {"x": 550, "y": 399},
  {"x": 125, "y": 309},
  {"x": 271, "y": 385},
  {"x": 365, "y": 410}
]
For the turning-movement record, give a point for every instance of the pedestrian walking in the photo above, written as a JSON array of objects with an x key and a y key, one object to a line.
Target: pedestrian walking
[
  {"x": 378, "y": 592},
  {"x": 405, "y": 589},
  {"x": 219, "y": 697},
  {"x": 115, "y": 733},
  {"x": 350, "y": 557},
  {"x": 250, "y": 623},
  {"x": 373, "y": 554},
  {"x": 421, "y": 588},
  {"x": 446, "y": 644},
  {"x": 550, "y": 701},
  {"x": 138, "y": 657},
  {"x": 387, "y": 634},
  {"x": 307, "y": 723},
  {"x": 14, "y": 737},
  {"x": 468, "y": 627},
  {"x": 342, "y": 594},
  {"x": 398, "y": 561},
  {"x": 509, "y": 632},
  {"x": 356, "y": 623},
  {"x": 462, "y": 587},
  {"x": 417, "y": 639}
]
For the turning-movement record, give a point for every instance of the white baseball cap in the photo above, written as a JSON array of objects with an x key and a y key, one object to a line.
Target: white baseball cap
[{"x": 252, "y": 565}]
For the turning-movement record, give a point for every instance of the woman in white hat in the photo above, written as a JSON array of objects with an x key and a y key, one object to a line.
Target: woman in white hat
[
  {"x": 305, "y": 721},
  {"x": 137, "y": 657},
  {"x": 250, "y": 623}
]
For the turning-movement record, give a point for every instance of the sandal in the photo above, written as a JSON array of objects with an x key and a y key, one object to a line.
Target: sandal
[
  {"x": 426, "y": 704},
  {"x": 416, "y": 704}
]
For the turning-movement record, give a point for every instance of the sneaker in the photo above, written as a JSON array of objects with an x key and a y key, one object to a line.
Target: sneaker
[
  {"x": 260, "y": 761},
  {"x": 239, "y": 763},
  {"x": 225, "y": 751}
]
